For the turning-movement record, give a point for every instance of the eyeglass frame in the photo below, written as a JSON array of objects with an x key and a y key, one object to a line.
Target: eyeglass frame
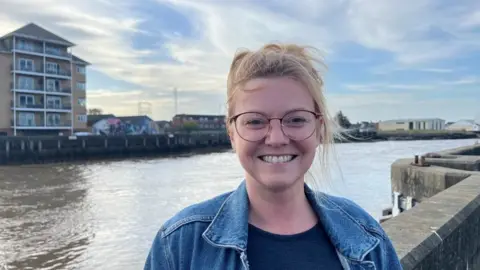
[{"x": 234, "y": 119}]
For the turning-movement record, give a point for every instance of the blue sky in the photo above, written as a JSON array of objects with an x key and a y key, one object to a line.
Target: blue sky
[{"x": 386, "y": 59}]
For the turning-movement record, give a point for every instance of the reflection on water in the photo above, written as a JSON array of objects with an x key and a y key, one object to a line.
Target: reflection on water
[
  {"x": 45, "y": 221},
  {"x": 104, "y": 215}
]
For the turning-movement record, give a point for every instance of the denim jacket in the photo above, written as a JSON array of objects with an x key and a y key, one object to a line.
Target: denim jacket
[{"x": 213, "y": 235}]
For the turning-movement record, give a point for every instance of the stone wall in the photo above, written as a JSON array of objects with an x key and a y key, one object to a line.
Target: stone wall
[{"x": 442, "y": 231}]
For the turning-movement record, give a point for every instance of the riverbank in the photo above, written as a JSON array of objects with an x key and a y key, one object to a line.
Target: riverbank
[
  {"x": 48, "y": 149},
  {"x": 405, "y": 136},
  {"x": 33, "y": 150}
]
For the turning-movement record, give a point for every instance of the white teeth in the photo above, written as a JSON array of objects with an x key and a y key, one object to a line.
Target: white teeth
[{"x": 277, "y": 159}]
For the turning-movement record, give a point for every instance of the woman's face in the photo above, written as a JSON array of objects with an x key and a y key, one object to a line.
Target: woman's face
[{"x": 276, "y": 161}]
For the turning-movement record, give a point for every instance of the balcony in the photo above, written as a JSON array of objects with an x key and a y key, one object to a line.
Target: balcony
[
  {"x": 28, "y": 70},
  {"x": 59, "y": 107},
  {"x": 57, "y": 52},
  {"x": 59, "y": 73},
  {"x": 27, "y": 88},
  {"x": 40, "y": 107},
  {"x": 29, "y": 49},
  {"x": 64, "y": 91},
  {"x": 35, "y": 49},
  {"x": 60, "y": 124},
  {"x": 52, "y": 124}
]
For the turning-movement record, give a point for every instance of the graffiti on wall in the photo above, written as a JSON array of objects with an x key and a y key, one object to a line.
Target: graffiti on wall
[{"x": 115, "y": 126}]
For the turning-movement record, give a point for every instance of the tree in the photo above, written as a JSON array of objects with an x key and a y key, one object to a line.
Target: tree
[
  {"x": 189, "y": 126},
  {"x": 342, "y": 120},
  {"x": 95, "y": 111}
]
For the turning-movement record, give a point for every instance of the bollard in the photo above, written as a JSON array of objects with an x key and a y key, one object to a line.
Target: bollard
[
  {"x": 7, "y": 149},
  {"x": 422, "y": 161},
  {"x": 416, "y": 159}
]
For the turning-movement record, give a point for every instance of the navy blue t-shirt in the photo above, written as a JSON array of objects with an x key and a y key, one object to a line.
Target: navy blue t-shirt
[{"x": 311, "y": 249}]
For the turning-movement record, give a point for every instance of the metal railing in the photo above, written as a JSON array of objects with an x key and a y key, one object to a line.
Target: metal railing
[
  {"x": 66, "y": 90},
  {"x": 27, "y": 106},
  {"x": 27, "y": 69},
  {"x": 59, "y": 106},
  {"x": 64, "y": 123},
  {"x": 35, "y": 49},
  {"x": 55, "y": 52},
  {"x": 61, "y": 72}
]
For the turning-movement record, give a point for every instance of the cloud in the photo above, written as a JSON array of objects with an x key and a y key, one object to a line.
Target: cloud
[{"x": 410, "y": 35}]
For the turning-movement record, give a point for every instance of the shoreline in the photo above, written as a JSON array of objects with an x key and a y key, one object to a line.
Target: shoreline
[{"x": 46, "y": 150}]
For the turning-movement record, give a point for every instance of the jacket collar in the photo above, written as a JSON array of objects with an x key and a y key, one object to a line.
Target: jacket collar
[{"x": 229, "y": 228}]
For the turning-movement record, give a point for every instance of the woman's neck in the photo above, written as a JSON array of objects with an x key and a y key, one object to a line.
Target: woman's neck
[{"x": 284, "y": 212}]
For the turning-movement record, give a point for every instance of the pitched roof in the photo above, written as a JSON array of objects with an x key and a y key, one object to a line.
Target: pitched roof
[
  {"x": 136, "y": 120},
  {"x": 93, "y": 118},
  {"x": 79, "y": 60},
  {"x": 34, "y": 31}
]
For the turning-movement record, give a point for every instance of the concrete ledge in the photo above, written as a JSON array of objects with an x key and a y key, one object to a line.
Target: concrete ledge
[
  {"x": 443, "y": 232},
  {"x": 421, "y": 183}
]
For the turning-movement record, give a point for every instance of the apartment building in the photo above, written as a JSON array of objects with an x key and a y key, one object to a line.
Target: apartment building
[{"x": 42, "y": 84}]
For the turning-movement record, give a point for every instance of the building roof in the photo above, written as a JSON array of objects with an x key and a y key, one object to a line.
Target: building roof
[
  {"x": 199, "y": 115},
  {"x": 163, "y": 123},
  {"x": 411, "y": 120},
  {"x": 136, "y": 120},
  {"x": 79, "y": 60},
  {"x": 93, "y": 118},
  {"x": 34, "y": 31}
]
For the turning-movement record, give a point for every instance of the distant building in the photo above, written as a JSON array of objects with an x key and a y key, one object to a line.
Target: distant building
[
  {"x": 464, "y": 125},
  {"x": 42, "y": 84},
  {"x": 163, "y": 126},
  {"x": 110, "y": 125},
  {"x": 201, "y": 121},
  {"x": 412, "y": 124}
]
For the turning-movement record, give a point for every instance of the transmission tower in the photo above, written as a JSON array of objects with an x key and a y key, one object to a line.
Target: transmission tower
[{"x": 175, "y": 100}]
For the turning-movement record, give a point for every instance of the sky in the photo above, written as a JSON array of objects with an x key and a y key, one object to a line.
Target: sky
[{"x": 385, "y": 59}]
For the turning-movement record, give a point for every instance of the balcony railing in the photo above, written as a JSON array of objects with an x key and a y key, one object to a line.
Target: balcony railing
[
  {"x": 39, "y": 49},
  {"x": 28, "y": 69},
  {"x": 62, "y": 123},
  {"x": 65, "y": 90},
  {"x": 26, "y": 48},
  {"x": 59, "y": 106},
  {"x": 26, "y": 87},
  {"x": 55, "y": 52},
  {"x": 28, "y": 106},
  {"x": 61, "y": 72},
  {"x": 27, "y": 124},
  {"x": 41, "y": 123}
]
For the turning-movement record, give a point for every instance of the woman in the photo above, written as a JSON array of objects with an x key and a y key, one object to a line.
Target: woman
[{"x": 277, "y": 118}]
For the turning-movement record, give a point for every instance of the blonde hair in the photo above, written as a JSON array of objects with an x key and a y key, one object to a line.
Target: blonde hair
[{"x": 286, "y": 60}]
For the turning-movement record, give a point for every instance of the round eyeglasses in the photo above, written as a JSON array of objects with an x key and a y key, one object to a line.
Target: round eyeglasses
[{"x": 297, "y": 125}]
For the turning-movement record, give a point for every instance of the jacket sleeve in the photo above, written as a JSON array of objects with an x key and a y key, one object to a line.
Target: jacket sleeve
[
  {"x": 158, "y": 256},
  {"x": 389, "y": 259}
]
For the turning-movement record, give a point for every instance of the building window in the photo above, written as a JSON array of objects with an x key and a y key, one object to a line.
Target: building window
[
  {"x": 81, "y": 102},
  {"x": 53, "y": 119},
  {"x": 24, "y": 45},
  {"x": 81, "y": 69},
  {"x": 54, "y": 102},
  {"x": 26, "y": 64},
  {"x": 26, "y": 119},
  {"x": 82, "y": 118},
  {"x": 52, "y": 68},
  {"x": 25, "y": 83},
  {"x": 80, "y": 86},
  {"x": 53, "y": 85},
  {"x": 26, "y": 100}
]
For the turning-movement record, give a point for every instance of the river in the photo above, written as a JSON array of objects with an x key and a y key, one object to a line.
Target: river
[{"x": 104, "y": 215}]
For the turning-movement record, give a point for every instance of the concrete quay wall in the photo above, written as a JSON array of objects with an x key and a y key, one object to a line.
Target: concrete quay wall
[
  {"x": 28, "y": 150},
  {"x": 441, "y": 230}
]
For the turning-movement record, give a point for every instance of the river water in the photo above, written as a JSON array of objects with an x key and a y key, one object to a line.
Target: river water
[{"x": 104, "y": 215}]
